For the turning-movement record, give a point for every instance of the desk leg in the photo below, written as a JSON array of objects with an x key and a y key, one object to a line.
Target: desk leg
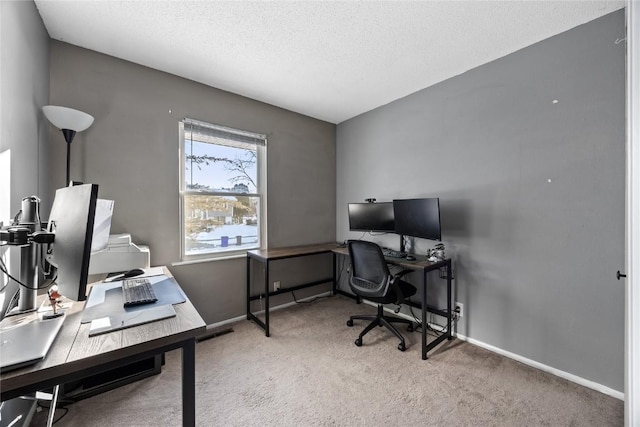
[
  {"x": 189, "y": 383},
  {"x": 54, "y": 403},
  {"x": 266, "y": 297},
  {"x": 449, "y": 316},
  {"x": 424, "y": 315},
  {"x": 334, "y": 292},
  {"x": 248, "y": 287}
]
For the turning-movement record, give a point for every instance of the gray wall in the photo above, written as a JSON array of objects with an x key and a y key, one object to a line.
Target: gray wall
[
  {"x": 532, "y": 193},
  {"x": 24, "y": 88},
  {"x": 131, "y": 151},
  {"x": 534, "y": 259}
]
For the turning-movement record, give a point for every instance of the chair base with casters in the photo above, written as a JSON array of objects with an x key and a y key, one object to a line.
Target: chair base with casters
[
  {"x": 381, "y": 320},
  {"x": 371, "y": 279}
]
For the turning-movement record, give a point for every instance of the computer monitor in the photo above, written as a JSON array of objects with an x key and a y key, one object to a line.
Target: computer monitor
[
  {"x": 371, "y": 217},
  {"x": 418, "y": 218},
  {"x": 71, "y": 219}
]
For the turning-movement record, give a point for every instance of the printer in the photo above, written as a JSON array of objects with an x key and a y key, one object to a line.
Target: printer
[{"x": 120, "y": 254}]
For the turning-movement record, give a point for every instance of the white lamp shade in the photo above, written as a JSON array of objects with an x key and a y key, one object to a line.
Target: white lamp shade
[{"x": 67, "y": 118}]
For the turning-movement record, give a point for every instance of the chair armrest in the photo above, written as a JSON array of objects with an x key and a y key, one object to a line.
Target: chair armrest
[
  {"x": 402, "y": 274},
  {"x": 397, "y": 289}
]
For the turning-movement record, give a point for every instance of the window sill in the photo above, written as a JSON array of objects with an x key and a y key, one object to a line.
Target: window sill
[{"x": 203, "y": 260}]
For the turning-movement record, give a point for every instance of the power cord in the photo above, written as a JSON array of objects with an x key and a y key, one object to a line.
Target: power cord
[
  {"x": 5, "y": 270},
  {"x": 63, "y": 408},
  {"x": 308, "y": 301},
  {"x": 433, "y": 332}
]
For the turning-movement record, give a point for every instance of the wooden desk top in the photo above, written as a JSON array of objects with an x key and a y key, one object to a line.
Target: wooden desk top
[
  {"x": 291, "y": 252},
  {"x": 73, "y": 350},
  {"x": 263, "y": 255},
  {"x": 421, "y": 262}
]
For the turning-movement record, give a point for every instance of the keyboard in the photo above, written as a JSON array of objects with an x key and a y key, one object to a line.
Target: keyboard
[
  {"x": 393, "y": 254},
  {"x": 137, "y": 291}
]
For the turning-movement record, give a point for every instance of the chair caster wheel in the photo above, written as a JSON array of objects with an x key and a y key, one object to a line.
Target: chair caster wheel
[
  {"x": 410, "y": 327},
  {"x": 358, "y": 342},
  {"x": 402, "y": 347},
  {"x": 349, "y": 322}
]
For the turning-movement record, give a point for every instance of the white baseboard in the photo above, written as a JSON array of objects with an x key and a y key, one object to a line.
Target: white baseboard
[
  {"x": 271, "y": 310},
  {"x": 537, "y": 365},
  {"x": 226, "y": 322},
  {"x": 557, "y": 372}
]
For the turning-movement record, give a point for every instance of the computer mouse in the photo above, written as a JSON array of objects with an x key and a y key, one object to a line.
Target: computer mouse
[
  {"x": 133, "y": 273},
  {"x": 411, "y": 258}
]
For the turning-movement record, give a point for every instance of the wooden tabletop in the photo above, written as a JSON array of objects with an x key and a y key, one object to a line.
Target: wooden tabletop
[
  {"x": 291, "y": 252},
  {"x": 73, "y": 350},
  {"x": 420, "y": 263}
]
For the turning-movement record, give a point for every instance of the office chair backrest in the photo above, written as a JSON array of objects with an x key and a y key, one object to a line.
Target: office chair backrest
[{"x": 370, "y": 275}]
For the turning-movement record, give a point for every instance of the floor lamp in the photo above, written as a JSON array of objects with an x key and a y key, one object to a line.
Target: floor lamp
[{"x": 69, "y": 121}]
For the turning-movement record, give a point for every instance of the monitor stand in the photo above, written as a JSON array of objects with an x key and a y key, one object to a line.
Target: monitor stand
[{"x": 402, "y": 244}]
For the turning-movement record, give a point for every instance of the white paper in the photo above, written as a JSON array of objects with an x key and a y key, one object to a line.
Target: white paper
[
  {"x": 102, "y": 224},
  {"x": 103, "y": 322},
  {"x": 153, "y": 271}
]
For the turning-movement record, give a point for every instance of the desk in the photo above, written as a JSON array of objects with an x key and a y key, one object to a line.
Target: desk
[
  {"x": 422, "y": 265},
  {"x": 265, "y": 256},
  {"x": 75, "y": 355}
]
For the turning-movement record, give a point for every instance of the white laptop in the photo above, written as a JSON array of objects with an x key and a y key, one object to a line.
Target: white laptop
[{"x": 27, "y": 343}]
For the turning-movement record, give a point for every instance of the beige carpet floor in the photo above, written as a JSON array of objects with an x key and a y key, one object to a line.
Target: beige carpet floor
[{"x": 309, "y": 373}]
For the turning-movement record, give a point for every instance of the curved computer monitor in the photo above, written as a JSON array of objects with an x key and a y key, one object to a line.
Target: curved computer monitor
[
  {"x": 71, "y": 219},
  {"x": 371, "y": 217},
  {"x": 418, "y": 218}
]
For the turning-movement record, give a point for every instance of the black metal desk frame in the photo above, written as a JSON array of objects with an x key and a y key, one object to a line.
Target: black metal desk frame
[
  {"x": 425, "y": 308},
  {"x": 136, "y": 344},
  {"x": 266, "y": 256},
  {"x": 188, "y": 377}
]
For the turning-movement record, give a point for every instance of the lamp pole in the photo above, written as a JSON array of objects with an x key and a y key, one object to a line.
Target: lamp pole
[{"x": 68, "y": 136}]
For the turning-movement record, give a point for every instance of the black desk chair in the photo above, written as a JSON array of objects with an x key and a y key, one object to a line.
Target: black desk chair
[{"x": 371, "y": 279}]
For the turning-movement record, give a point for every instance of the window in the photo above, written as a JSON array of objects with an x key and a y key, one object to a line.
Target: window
[{"x": 222, "y": 195}]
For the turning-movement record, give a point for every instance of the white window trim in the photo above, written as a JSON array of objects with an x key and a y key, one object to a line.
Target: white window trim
[{"x": 261, "y": 193}]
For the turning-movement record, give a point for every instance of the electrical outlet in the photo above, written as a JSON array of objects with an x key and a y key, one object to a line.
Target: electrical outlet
[
  {"x": 459, "y": 309},
  {"x": 276, "y": 286}
]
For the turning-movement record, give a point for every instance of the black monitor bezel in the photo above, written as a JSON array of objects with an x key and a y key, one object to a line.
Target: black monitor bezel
[
  {"x": 374, "y": 227},
  {"x": 404, "y": 207}
]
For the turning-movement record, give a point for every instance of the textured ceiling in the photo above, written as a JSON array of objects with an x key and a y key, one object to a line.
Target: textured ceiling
[{"x": 328, "y": 60}]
